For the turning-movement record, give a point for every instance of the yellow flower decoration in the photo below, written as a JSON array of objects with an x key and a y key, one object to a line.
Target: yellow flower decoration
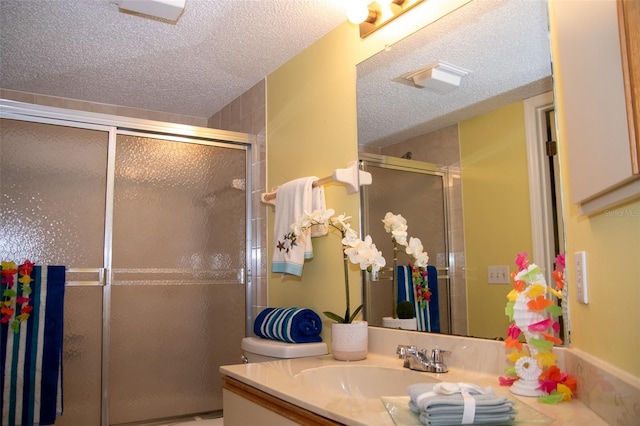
[
  {"x": 546, "y": 359},
  {"x": 536, "y": 290},
  {"x": 513, "y": 295},
  {"x": 565, "y": 391},
  {"x": 516, "y": 355},
  {"x": 555, "y": 292}
]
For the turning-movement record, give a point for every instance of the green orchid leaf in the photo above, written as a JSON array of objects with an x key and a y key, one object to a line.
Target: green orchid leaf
[
  {"x": 355, "y": 314},
  {"x": 335, "y": 317}
]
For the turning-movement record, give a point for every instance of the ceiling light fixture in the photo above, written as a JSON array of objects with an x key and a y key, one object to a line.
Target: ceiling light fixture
[
  {"x": 169, "y": 10},
  {"x": 372, "y": 16},
  {"x": 440, "y": 77}
]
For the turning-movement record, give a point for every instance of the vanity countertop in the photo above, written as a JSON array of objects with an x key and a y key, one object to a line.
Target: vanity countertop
[{"x": 278, "y": 378}]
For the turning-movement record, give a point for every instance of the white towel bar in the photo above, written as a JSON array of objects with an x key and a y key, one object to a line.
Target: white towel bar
[{"x": 352, "y": 177}]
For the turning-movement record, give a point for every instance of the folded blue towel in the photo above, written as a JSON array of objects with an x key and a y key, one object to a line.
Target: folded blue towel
[
  {"x": 290, "y": 325},
  {"x": 440, "y": 404}
]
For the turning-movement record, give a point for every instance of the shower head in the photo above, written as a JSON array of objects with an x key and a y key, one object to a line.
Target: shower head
[{"x": 238, "y": 184}]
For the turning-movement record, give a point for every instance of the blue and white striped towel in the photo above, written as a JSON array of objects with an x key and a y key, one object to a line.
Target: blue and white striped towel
[
  {"x": 292, "y": 325},
  {"x": 31, "y": 361}
]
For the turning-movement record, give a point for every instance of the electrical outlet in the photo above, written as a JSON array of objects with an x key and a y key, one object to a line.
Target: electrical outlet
[
  {"x": 580, "y": 263},
  {"x": 498, "y": 274}
]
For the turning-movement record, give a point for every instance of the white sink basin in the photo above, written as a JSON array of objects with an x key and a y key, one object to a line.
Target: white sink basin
[{"x": 364, "y": 381}]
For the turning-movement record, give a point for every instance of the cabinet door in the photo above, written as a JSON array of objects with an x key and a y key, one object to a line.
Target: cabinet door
[{"x": 588, "y": 65}]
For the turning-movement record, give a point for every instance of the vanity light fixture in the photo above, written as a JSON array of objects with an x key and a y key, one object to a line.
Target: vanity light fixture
[
  {"x": 440, "y": 77},
  {"x": 372, "y": 16},
  {"x": 169, "y": 10}
]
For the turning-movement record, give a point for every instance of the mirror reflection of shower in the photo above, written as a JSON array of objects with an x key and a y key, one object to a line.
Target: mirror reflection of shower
[{"x": 420, "y": 192}]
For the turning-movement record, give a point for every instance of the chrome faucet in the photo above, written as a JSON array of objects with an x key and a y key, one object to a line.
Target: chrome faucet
[{"x": 418, "y": 360}]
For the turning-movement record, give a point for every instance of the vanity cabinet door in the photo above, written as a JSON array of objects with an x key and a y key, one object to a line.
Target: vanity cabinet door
[{"x": 600, "y": 136}]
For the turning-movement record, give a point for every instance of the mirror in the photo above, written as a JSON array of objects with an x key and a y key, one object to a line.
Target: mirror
[{"x": 465, "y": 151}]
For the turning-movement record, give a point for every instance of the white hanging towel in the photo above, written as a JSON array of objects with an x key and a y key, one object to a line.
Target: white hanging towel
[{"x": 293, "y": 199}]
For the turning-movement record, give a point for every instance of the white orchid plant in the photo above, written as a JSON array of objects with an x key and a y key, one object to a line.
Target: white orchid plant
[
  {"x": 396, "y": 225},
  {"x": 361, "y": 252}
]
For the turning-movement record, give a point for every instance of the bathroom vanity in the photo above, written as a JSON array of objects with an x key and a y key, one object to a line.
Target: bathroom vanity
[{"x": 323, "y": 391}]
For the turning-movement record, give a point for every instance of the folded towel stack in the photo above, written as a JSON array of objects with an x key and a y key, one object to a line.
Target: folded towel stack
[
  {"x": 292, "y": 325},
  {"x": 459, "y": 403}
]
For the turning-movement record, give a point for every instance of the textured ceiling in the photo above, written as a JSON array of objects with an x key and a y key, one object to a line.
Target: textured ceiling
[
  {"x": 505, "y": 44},
  {"x": 218, "y": 49}
]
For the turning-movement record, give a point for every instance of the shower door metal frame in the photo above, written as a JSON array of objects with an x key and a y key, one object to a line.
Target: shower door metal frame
[{"x": 113, "y": 126}]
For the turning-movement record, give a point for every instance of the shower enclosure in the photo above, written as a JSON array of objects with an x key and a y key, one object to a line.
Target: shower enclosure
[{"x": 152, "y": 226}]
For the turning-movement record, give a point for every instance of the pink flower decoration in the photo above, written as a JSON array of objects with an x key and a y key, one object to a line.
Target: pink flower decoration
[
  {"x": 514, "y": 331},
  {"x": 506, "y": 381},
  {"x": 556, "y": 327},
  {"x": 541, "y": 325},
  {"x": 521, "y": 261},
  {"x": 560, "y": 262},
  {"x": 20, "y": 300},
  {"x": 547, "y": 386}
]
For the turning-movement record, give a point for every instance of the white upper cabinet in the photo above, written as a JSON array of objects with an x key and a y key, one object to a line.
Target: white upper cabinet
[{"x": 597, "y": 88}]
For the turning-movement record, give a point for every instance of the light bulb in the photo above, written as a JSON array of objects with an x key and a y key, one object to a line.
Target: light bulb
[{"x": 357, "y": 11}]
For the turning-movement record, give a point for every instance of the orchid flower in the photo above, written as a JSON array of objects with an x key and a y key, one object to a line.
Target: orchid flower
[{"x": 361, "y": 252}]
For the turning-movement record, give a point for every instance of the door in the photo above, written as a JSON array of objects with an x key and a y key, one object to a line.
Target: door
[{"x": 165, "y": 217}]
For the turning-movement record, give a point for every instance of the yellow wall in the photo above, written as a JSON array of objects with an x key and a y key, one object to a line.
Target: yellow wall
[
  {"x": 607, "y": 327},
  {"x": 493, "y": 161},
  {"x": 311, "y": 116}
]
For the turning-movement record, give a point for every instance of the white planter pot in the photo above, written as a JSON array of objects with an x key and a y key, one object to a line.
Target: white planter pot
[
  {"x": 350, "y": 342},
  {"x": 404, "y": 324}
]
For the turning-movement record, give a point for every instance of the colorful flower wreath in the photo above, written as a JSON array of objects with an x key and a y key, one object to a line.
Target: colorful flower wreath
[
  {"x": 14, "y": 307},
  {"x": 421, "y": 285}
]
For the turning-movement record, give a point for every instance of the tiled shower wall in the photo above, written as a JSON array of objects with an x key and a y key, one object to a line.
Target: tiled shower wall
[
  {"x": 247, "y": 114},
  {"x": 442, "y": 147}
]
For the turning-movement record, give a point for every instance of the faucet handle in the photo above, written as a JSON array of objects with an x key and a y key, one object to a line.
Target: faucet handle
[
  {"x": 402, "y": 350},
  {"x": 437, "y": 360},
  {"x": 437, "y": 355}
]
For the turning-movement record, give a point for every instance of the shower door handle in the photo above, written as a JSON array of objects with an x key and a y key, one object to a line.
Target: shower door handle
[{"x": 78, "y": 277}]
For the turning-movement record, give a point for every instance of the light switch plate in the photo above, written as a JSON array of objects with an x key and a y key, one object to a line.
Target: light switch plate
[{"x": 498, "y": 274}]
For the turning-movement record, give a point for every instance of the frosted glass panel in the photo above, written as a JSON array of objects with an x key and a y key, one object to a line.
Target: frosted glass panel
[
  {"x": 53, "y": 180},
  {"x": 178, "y": 295},
  {"x": 53, "y": 194}
]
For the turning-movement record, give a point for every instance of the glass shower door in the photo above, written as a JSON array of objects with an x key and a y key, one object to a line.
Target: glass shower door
[
  {"x": 52, "y": 181},
  {"x": 175, "y": 307},
  {"x": 178, "y": 294}
]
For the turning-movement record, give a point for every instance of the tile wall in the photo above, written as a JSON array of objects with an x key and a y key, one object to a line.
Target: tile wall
[{"x": 247, "y": 114}]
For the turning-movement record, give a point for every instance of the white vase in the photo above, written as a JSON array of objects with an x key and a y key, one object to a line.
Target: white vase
[
  {"x": 350, "y": 342},
  {"x": 527, "y": 368}
]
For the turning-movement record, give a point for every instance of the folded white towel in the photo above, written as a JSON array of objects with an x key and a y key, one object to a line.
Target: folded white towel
[
  {"x": 459, "y": 403},
  {"x": 293, "y": 199}
]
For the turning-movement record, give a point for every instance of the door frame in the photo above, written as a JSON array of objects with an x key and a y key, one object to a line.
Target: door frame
[{"x": 115, "y": 125}]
